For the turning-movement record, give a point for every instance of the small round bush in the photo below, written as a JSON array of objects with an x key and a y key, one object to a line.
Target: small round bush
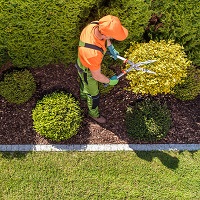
[
  {"x": 57, "y": 116},
  {"x": 189, "y": 89},
  {"x": 17, "y": 86},
  {"x": 148, "y": 120}
]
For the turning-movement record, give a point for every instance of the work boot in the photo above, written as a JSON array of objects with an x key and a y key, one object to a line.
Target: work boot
[{"x": 99, "y": 119}]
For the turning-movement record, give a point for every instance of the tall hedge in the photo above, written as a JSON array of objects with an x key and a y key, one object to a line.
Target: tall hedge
[
  {"x": 37, "y": 32},
  {"x": 177, "y": 20}
]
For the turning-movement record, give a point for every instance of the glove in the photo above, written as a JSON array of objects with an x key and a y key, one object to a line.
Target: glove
[
  {"x": 113, "y": 52},
  {"x": 113, "y": 80}
]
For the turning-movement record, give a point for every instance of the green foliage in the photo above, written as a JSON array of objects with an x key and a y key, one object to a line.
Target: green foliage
[
  {"x": 36, "y": 33},
  {"x": 180, "y": 22},
  {"x": 18, "y": 86},
  {"x": 39, "y": 32},
  {"x": 133, "y": 14},
  {"x": 3, "y": 54},
  {"x": 57, "y": 116},
  {"x": 148, "y": 120},
  {"x": 190, "y": 87},
  {"x": 170, "y": 67},
  {"x": 109, "y": 73}
]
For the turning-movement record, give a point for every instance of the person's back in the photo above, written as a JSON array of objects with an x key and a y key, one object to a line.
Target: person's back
[{"x": 91, "y": 58}]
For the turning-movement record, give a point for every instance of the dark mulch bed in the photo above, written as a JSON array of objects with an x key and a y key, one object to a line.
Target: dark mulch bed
[{"x": 16, "y": 121}]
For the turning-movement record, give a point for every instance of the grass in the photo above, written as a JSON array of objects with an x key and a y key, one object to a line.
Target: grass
[{"x": 100, "y": 175}]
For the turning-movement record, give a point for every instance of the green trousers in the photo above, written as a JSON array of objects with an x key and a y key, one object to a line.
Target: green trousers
[{"x": 89, "y": 90}]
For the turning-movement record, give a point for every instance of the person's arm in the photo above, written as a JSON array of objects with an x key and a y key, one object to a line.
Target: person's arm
[
  {"x": 98, "y": 76},
  {"x": 112, "y": 50},
  {"x": 108, "y": 43}
]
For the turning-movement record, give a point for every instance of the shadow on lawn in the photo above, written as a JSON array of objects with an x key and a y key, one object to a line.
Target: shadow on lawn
[
  {"x": 167, "y": 160},
  {"x": 14, "y": 155}
]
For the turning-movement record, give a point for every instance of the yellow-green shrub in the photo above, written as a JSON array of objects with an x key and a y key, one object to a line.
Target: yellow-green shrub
[
  {"x": 57, "y": 116},
  {"x": 170, "y": 67}
]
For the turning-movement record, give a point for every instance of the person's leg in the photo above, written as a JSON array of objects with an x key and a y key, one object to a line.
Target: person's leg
[
  {"x": 92, "y": 97},
  {"x": 82, "y": 94},
  {"x": 89, "y": 89}
]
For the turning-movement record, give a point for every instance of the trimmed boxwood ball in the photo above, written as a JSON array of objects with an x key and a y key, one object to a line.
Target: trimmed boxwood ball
[
  {"x": 18, "y": 86},
  {"x": 57, "y": 116},
  {"x": 148, "y": 120}
]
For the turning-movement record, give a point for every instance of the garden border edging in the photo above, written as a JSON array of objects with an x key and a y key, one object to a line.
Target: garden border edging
[{"x": 101, "y": 147}]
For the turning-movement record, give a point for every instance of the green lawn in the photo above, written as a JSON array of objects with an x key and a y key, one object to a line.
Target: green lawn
[{"x": 100, "y": 175}]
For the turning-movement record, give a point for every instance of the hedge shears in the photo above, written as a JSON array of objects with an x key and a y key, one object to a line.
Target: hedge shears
[{"x": 135, "y": 66}]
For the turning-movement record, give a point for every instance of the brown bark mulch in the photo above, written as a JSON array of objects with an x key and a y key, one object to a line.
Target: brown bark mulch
[{"x": 16, "y": 122}]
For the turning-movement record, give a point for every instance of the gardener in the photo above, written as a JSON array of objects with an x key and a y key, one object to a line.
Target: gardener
[{"x": 92, "y": 47}]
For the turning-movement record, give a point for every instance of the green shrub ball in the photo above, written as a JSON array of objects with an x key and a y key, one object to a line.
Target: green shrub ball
[
  {"x": 18, "y": 86},
  {"x": 148, "y": 120},
  {"x": 57, "y": 116},
  {"x": 189, "y": 89}
]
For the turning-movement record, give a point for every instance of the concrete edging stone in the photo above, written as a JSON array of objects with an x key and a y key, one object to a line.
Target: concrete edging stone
[{"x": 101, "y": 147}]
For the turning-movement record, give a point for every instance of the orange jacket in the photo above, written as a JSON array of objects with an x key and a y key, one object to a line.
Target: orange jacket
[{"x": 91, "y": 58}]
